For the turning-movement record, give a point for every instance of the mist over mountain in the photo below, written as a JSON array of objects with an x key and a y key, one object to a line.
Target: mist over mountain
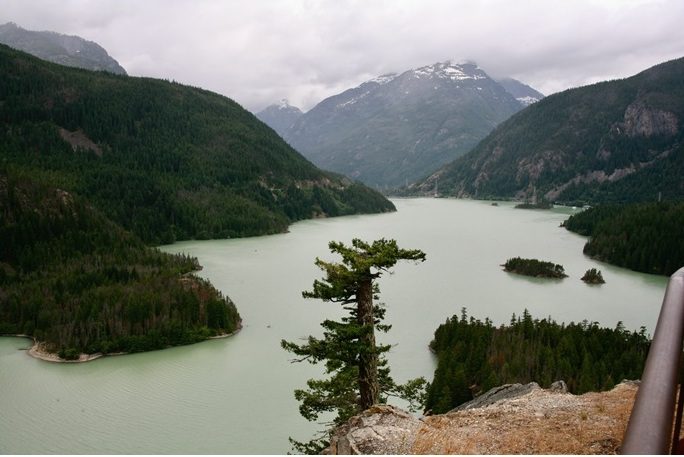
[
  {"x": 397, "y": 128},
  {"x": 72, "y": 51}
]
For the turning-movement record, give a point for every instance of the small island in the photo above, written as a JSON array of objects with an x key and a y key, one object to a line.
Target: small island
[
  {"x": 543, "y": 204},
  {"x": 593, "y": 276},
  {"x": 535, "y": 268}
]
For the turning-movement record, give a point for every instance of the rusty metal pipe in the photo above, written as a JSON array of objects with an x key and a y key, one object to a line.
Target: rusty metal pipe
[{"x": 649, "y": 430}]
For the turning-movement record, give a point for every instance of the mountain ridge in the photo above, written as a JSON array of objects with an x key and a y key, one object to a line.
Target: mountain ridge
[
  {"x": 399, "y": 127},
  {"x": 525, "y": 94},
  {"x": 280, "y": 117},
  {"x": 68, "y": 50},
  {"x": 174, "y": 162},
  {"x": 581, "y": 145}
]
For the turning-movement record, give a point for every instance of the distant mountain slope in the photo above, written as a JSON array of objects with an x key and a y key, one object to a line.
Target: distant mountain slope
[
  {"x": 398, "y": 128},
  {"x": 163, "y": 160},
  {"x": 280, "y": 117},
  {"x": 613, "y": 141},
  {"x": 522, "y": 92},
  {"x": 68, "y": 50}
]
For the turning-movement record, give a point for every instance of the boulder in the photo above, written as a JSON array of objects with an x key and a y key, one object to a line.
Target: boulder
[
  {"x": 507, "y": 391},
  {"x": 382, "y": 429}
]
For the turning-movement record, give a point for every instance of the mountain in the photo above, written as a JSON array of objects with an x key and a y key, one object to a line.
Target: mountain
[
  {"x": 397, "y": 128},
  {"x": 68, "y": 50},
  {"x": 615, "y": 141},
  {"x": 162, "y": 160},
  {"x": 522, "y": 92},
  {"x": 79, "y": 283},
  {"x": 280, "y": 117}
]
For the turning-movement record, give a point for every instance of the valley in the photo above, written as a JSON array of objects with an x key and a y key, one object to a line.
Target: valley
[{"x": 168, "y": 217}]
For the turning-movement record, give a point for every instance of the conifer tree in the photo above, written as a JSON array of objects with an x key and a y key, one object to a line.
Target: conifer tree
[{"x": 360, "y": 376}]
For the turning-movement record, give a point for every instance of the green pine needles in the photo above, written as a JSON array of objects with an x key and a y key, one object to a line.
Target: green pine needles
[{"x": 359, "y": 374}]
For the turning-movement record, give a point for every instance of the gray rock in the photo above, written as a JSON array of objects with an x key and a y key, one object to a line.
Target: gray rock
[
  {"x": 641, "y": 120},
  {"x": 559, "y": 386},
  {"x": 507, "y": 391},
  {"x": 382, "y": 429}
]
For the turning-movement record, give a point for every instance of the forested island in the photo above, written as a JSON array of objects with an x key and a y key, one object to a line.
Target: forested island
[
  {"x": 77, "y": 282},
  {"x": 97, "y": 167},
  {"x": 535, "y": 268},
  {"x": 474, "y": 356},
  {"x": 543, "y": 204},
  {"x": 593, "y": 276},
  {"x": 644, "y": 237}
]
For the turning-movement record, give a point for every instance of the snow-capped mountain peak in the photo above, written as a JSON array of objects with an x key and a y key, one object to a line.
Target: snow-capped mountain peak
[{"x": 455, "y": 71}]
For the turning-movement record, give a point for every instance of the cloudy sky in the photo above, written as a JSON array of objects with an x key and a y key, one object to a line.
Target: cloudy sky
[{"x": 260, "y": 51}]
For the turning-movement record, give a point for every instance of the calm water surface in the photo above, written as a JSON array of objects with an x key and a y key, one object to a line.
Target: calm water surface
[{"x": 235, "y": 395}]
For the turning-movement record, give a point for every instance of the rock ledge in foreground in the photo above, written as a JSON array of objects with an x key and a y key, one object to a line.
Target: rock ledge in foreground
[{"x": 527, "y": 420}]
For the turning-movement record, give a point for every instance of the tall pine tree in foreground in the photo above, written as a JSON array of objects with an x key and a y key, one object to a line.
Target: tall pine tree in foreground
[{"x": 360, "y": 377}]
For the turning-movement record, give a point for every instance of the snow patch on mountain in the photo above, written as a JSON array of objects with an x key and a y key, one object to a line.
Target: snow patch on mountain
[
  {"x": 354, "y": 100},
  {"x": 384, "y": 79},
  {"x": 284, "y": 104},
  {"x": 451, "y": 70},
  {"x": 527, "y": 101}
]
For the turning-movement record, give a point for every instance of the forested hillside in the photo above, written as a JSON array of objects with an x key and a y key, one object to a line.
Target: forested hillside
[
  {"x": 475, "y": 356},
  {"x": 616, "y": 141},
  {"x": 163, "y": 160},
  {"x": 643, "y": 237},
  {"x": 75, "y": 280}
]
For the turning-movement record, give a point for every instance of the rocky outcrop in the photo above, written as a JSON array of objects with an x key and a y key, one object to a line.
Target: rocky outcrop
[
  {"x": 640, "y": 120},
  {"x": 505, "y": 392},
  {"x": 513, "y": 419},
  {"x": 382, "y": 429}
]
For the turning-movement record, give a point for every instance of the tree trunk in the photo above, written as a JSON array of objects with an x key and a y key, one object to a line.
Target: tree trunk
[{"x": 368, "y": 357}]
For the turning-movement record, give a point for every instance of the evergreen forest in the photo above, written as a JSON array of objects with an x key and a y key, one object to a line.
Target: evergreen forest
[
  {"x": 95, "y": 167},
  {"x": 475, "y": 356},
  {"x": 645, "y": 237},
  {"x": 165, "y": 161},
  {"x": 535, "y": 268},
  {"x": 74, "y": 280}
]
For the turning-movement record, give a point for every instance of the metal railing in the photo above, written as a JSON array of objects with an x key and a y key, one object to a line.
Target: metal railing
[{"x": 651, "y": 425}]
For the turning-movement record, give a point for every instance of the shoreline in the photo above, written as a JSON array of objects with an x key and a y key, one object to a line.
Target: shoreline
[{"x": 37, "y": 350}]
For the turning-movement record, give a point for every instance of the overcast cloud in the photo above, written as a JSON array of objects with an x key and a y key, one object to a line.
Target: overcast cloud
[{"x": 258, "y": 52}]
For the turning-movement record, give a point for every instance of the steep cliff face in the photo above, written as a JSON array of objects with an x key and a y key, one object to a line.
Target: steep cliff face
[{"x": 524, "y": 420}]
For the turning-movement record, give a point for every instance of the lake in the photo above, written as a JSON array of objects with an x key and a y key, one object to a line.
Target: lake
[{"x": 235, "y": 395}]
